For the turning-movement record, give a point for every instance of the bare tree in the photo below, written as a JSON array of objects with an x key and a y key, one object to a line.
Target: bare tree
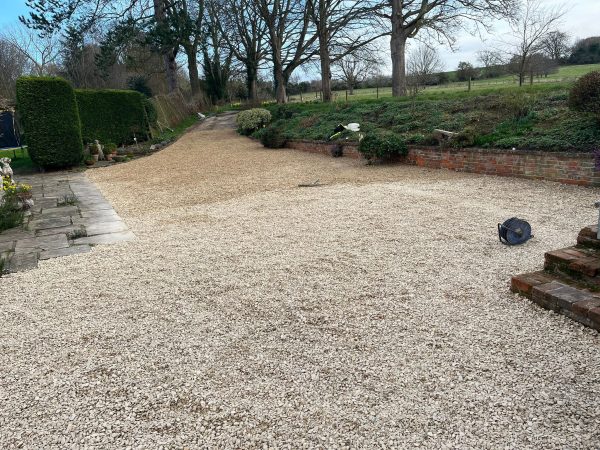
[
  {"x": 13, "y": 64},
  {"x": 291, "y": 39},
  {"x": 41, "y": 52},
  {"x": 423, "y": 63},
  {"x": 438, "y": 19},
  {"x": 556, "y": 45},
  {"x": 528, "y": 31},
  {"x": 492, "y": 63},
  {"x": 353, "y": 68},
  {"x": 465, "y": 71},
  {"x": 342, "y": 27},
  {"x": 245, "y": 32}
]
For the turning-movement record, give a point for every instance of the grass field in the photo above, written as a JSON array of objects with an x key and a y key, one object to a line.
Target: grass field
[{"x": 565, "y": 75}]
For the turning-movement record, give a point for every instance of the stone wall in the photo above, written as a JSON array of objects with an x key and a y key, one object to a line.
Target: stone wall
[{"x": 568, "y": 168}]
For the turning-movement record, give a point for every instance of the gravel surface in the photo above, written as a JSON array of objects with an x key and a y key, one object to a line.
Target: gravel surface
[{"x": 373, "y": 312}]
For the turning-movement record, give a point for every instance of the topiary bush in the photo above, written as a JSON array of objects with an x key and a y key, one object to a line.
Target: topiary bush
[
  {"x": 382, "y": 145},
  {"x": 112, "y": 115},
  {"x": 271, "y": 137},
  {"x": 252, "y": 119},
  {"x": 50, "y": 118},
  {"x": 585, "y": 94}
]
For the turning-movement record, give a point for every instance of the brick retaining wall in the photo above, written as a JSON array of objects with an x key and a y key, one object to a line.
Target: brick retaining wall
[{"x": 568, "y": 168}]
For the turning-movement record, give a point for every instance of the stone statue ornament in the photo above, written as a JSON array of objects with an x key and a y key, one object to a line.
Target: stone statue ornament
[
  {"x": 6, "y": 170},
  {"x": 99, "y": 150}
]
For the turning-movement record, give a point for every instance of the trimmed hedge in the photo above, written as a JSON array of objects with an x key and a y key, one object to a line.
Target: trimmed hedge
[
  {"x": 48, "y": 110},
  {"x": 112, "y": 115}
]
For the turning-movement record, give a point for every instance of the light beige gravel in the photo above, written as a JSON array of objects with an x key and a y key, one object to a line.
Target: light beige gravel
[{"x": 373, "y": 312}]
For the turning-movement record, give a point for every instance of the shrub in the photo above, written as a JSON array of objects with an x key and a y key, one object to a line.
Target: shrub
[
  {"x": 151, "y": 112},
  {"x": 252, "y": 119},
  {"x": 112, "y": 115},
  {"x": 382, "y": 145},
  {"x": 11, "y": 214},
  {"x": 139, "y": 83},
  {"x": 282, "y": 112},
  {"x": 50, "y": 117},
  {"x": 271, "y": 137},
  {"x": 585, "y": 94},
  {"x": 466, "y": 138}
]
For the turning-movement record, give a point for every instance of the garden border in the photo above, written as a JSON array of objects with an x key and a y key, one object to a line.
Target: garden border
[{"x": 568, "y": 168}]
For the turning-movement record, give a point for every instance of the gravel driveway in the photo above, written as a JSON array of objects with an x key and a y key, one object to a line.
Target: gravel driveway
[{"x": 372, "y": 312}]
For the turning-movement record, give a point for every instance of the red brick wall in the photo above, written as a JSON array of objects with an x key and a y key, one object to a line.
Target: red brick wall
[{"x": 569, "y": 168}]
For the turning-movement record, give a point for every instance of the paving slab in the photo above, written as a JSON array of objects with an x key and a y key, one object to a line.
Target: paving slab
[
  {"x": 95, "y": 206},
  {"x": 46, "y": 202},
  {"x": 25, "y": 261},
  {"x": 43, "y": 242},
  {"x": 110, "y": 238},
  {"x": 60, "y": 211},
  {"x": 59, "y": 252},
  {"x": 103, "y": 215},
  {"x": 105, "y": 228},
  {"x": 7, "y": 246},
  {"x": 61, "y": 230},
  {"x": 53, "y": 222},
  {"x": 15, "y": 234},
  {"x": 50, "y": 227}
]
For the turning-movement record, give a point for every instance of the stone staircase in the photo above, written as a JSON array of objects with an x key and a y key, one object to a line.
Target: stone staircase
[{"x": 570, "y": 281}]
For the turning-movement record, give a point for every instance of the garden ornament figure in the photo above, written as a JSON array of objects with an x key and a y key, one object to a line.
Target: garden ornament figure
[
  {"x": 354, "y": 127},
  {"x": 6, "y": 170},
  {"x": 99, "y": 148}
]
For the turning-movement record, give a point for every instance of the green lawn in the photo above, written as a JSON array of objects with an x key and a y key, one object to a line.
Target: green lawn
[
  {"x": 21, "y": 162},
  {"x": 565, "y": 75}
]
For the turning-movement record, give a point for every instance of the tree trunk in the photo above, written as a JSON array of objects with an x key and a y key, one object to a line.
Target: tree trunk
[
  {"x": 167, "y": 54},
  {"x": 171, "y": 69},
  {"x": 192, "y": 59},
  {"x": 325, "y": 65},
  {"x": 280, "y": 84},
  {"x": 251, "y": 79},
  {"x": 398, "y": 50}
]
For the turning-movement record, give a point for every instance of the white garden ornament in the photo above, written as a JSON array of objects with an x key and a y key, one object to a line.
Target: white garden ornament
[
  {"x": 353, "y": 127},
  {"x": 6, "y": 171}
]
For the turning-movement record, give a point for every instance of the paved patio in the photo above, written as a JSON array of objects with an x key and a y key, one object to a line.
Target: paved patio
[{"x": 70, "y": 216}]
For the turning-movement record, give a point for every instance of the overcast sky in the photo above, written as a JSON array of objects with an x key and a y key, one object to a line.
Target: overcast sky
[{"x": 582, "y": 20}]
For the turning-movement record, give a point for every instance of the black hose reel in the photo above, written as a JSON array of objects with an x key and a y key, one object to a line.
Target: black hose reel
[{"x": 514, "y": 231}]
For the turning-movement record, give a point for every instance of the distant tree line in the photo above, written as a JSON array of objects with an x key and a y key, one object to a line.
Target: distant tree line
[{"x": 218, "y": 50}]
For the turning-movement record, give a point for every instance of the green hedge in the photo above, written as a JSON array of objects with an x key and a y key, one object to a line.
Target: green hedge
[
  {"x": 112, "y": 115},
  {"x": 48, "y": 110}
]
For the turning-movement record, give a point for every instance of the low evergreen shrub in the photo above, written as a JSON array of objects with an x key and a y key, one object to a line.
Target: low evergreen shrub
[
  {"x": 382, "y": 145},
  {"x": 252, "y": 119},
  {"x": 271, "y": 137},
  {"x": 50, "y": 117},
  {"x": 585, "y": 94}
]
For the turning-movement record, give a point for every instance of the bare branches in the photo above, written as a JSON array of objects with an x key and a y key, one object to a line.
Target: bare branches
[
  {"x": 423, "y": 64},
  {"x": 41, "y": 52},
  {"x": 528, "y": 32},
  {"x": 439, "y": 20}
]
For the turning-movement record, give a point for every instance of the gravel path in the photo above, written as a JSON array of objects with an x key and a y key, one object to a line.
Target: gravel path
[{"x": 373, "y": 312}]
